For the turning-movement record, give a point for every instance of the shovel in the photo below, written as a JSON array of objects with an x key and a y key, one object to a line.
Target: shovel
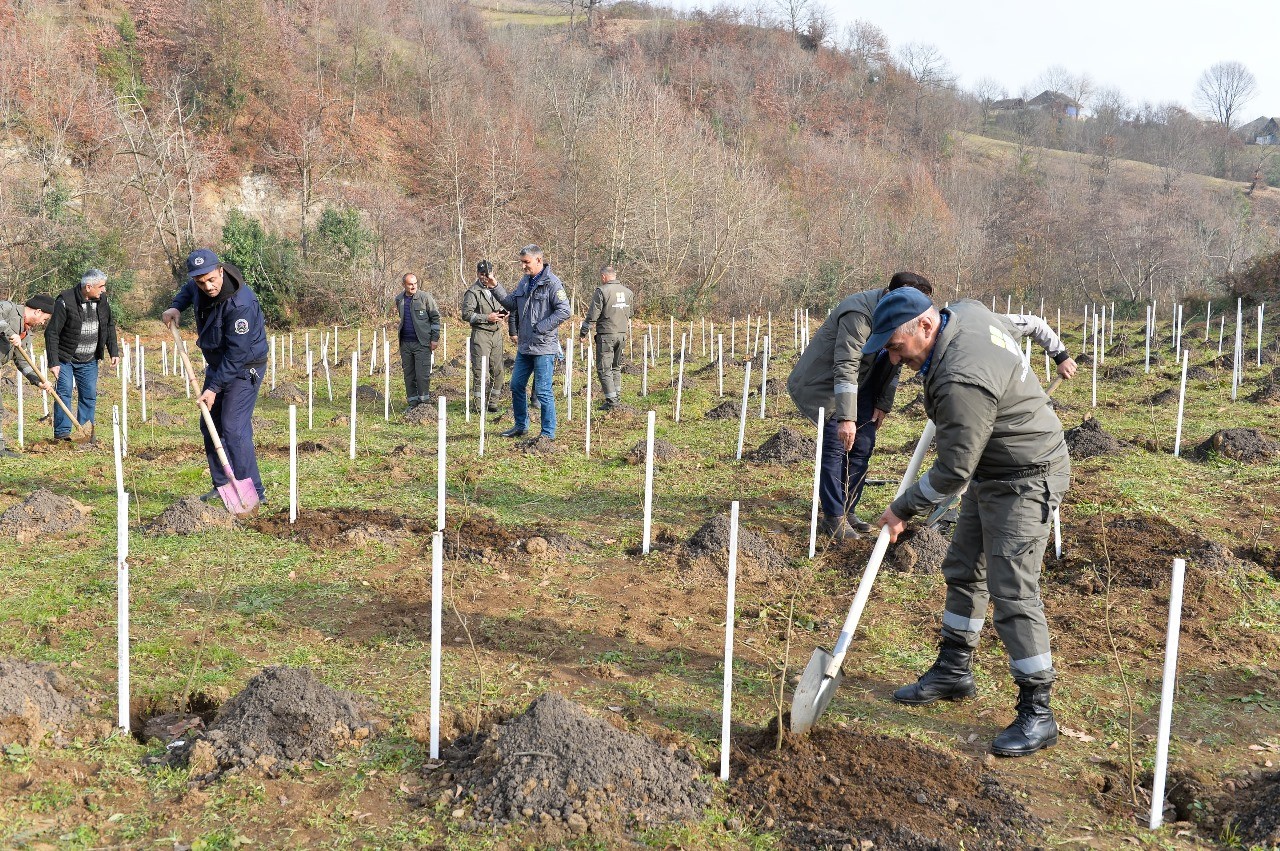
[
  {"x": 82, "y": 432},
  {"x": 238, "y": 495},
  {"x": 823, "y": 676}
]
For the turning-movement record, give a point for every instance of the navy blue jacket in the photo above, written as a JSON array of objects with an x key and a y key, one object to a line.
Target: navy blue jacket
[
  {"x": 539, "y": 304},
  {"x": 231, "y": 331}
]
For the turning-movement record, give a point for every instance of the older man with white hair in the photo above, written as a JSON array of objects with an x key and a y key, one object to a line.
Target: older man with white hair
[
  {"x": 995, "y": 429},
  {"x": 81, "y": 329}
]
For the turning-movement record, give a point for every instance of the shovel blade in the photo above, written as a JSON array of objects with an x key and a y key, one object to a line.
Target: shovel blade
[
  {"x": 814, "y": 692},
  {"x": 239, "y": 496}
]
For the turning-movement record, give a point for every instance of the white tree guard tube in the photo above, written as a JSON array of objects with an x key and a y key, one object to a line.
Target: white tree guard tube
[
  {"x": 817, "y": 477},
  {"x": 293, "y": 463},
  {"x": 764, "y": 377},
  {"x": 726, "y": 711},
  {"x": 591, "y": 356},
  {"x": 644, "y": 368},
  {"x": 1166, "y": 693},
  {"x": 20, "y": 392},
  {"x": 386, "y": 379},
  {"x": 437, "y": 609},
  {"x": 484, "y": 403},
  {"x": 648, "y": 483},
  {"x": 273, "y": 361},
  {"x": 466, "y": 387},
  {"x": 440, "y": 461},
  {"x": 142, "y": 381},
  {"x": 1094, "y": 364},
  {"x": 1057, "y": 532},
  {"x": 124, "y": 400},
  {"x": 680, "y": 380},
  {"x": 122, "y": 608},
  {"x": 1147, "y": 343},
  {"x": 355, "y": 356},
  {"x": 742, "y": 418},
  {"x": 328, "y": 377},
  {"x": 720, "y": 368},
  {"x": 311, "y": 390},
  {"x": 1182, "y": 400},
  {"x": 1208, "y": 314}
]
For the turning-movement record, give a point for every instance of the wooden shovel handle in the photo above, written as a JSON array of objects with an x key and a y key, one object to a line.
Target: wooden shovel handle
[
  {"x": 204, "y": 409},
  {"x": 56, "y": 397}
]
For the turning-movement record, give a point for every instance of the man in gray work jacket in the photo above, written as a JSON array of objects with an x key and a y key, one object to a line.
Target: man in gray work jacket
[
  {"x": 610, "y": 312},
  {"x": 995, "y": 427},
  {"x": 16, "y": 321},
  {"x": 540, "y": 305},
  {"x": 419, "y": 323},
  {"x": 485, "y": 315},
  {"x": 856, "y": 394}
]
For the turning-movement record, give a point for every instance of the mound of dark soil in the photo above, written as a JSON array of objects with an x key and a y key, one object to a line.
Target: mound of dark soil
[
  {"x": 787, "y": 446},
  {"x": 1268, "y": 392},
  {"x": 1167, "y": 396},
  {"x": 1118, "y": 373},
  {"x": 287, "y": 391},
  {"x": 757, "y": 560},
  {"x": 569, "y": 772},
  {"x": 540, "y": 445},
  {"x": 448, "y": 371},
  {"x": 43, "y": 513},
  {"x": 319, "y": 527},
  {"x": 629, "y": 368},
  {"x": 1198, "y": 373},
  {"x": 190, "y": 515},
  {"x": 339, "y": 421},
  {"x": 843, "y": 788},
  {"x": 1088, "y": 440},
  {"x": 919, "y": 551},
  {"x": 622, "y": 411},
  {"x": 1254, "y": 812},
  {"x": 35, "y": 700},
  {"x": 368, "y": 393},
  {"x": 421, "y": 414},
  {"x": 663, "y": 450},
  {"x": 1138, "y": 552},
  {"x": 726, "y": 410},
  {"x": 284, "y": 718},
  {"x": 1238, "y": 444},
  {"x": 1121, "y": 349}
]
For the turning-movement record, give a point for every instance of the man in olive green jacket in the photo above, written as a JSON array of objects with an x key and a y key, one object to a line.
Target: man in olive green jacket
[
  {"x": 16, "y": 321},
  {"x": 995, "y": 430},
  {"x": 610, "y": 312},
  {"x": 419, "y": 330},
  {"x": 486, "y": 317}
]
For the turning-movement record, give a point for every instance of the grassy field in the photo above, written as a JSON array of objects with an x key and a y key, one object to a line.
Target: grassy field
[{"x": 635, "y": 637}]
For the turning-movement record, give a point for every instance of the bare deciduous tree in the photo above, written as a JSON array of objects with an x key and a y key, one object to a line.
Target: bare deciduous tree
[{"x": 1224, "y": 89}]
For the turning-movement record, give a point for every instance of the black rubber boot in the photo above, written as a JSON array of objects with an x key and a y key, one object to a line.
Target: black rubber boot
[
  {"x": 1033, "y": 729},
  {"x": 950, "y": 678}
]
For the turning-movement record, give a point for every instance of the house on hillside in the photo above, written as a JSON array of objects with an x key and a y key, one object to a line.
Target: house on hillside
[
  {"x": 1261, "y": 131},
  {"x": 1054, "y": 103}
]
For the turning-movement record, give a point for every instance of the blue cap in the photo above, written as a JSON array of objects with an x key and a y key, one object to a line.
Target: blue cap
[
  {"x": 200, "y": 262},
  {"x": 896, "y": 309}
]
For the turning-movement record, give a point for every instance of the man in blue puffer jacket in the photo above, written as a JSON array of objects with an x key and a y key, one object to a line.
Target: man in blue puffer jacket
[
  {"x": 232, "y": 334},
  {"x": 539, "y": 304}
]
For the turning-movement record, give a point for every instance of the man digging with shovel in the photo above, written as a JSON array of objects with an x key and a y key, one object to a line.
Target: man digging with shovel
[
  {"x": 232, "y": 333},
  {"x": 994, "y": 430},
  {"x": 16, "y": 320}
]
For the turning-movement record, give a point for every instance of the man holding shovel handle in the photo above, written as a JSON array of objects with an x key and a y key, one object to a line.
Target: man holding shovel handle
[
  {"x": 232, "y": 334},
  {"x": 15, "y": 321},
  {"x": 994, "y": 430}
]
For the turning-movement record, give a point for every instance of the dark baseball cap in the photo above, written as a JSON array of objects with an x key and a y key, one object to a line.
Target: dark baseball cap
[
  {"x": 42, "y": 303},
  {"x": 201, "y": 261},
  {"x": 484, "y": 267},
  {"x": 896, "y": 309}
]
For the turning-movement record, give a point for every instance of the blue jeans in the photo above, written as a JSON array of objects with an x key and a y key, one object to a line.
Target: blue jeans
[
  {"x": 540, "y": 367},
  {"x": 232, "y": 414},
  {"x": 85, "y": 376},
  {"x": 844, "y": 474}
]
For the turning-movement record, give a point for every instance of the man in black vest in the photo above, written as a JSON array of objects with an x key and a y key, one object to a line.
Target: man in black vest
[{"x": 82, "y": 327}]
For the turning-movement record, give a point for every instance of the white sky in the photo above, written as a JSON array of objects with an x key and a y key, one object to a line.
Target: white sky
[{"x": 1150, "y": 51}]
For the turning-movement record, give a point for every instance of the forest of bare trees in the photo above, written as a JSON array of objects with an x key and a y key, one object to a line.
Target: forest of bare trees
[{"x": 725, "y": 161}]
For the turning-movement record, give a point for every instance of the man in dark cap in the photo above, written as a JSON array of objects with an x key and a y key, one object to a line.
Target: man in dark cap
[
  {"x": 16, "y": 321},
  {"x": 232, "y": 333},
  {"x": 481, "y": 310},
  {"x": 996, "y": 431},
  {"x": 81, "y": 330}
]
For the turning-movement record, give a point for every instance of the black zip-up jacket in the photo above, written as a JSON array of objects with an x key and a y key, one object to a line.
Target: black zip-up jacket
[{"x": 62, "y": 334}]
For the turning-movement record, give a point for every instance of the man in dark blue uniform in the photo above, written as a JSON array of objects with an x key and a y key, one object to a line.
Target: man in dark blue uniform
[{"x": 232, "y": 334}]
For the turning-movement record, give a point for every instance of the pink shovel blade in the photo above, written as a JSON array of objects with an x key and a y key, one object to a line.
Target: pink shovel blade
[{"x": 239, "y": 496}]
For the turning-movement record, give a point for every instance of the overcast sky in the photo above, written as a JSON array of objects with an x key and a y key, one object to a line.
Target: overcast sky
[{"x": 1150, "y": 51}]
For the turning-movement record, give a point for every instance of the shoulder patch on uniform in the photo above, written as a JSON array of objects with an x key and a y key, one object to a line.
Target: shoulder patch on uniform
[
  {"x": 241, "y": 326},
  {"x": 560, "y": 295}
]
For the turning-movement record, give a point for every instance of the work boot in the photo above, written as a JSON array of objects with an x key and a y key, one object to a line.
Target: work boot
[
  {"x": 950, "y": 678},
  {"x": 514, "y": 431},
  {"x": 211, "y": 496},
  {"x": 1033, "y": 729},
  {"x": 492, "y": 408},
  {"x": 858, "y": 524},
  {"x": 837, "y": 528}
]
